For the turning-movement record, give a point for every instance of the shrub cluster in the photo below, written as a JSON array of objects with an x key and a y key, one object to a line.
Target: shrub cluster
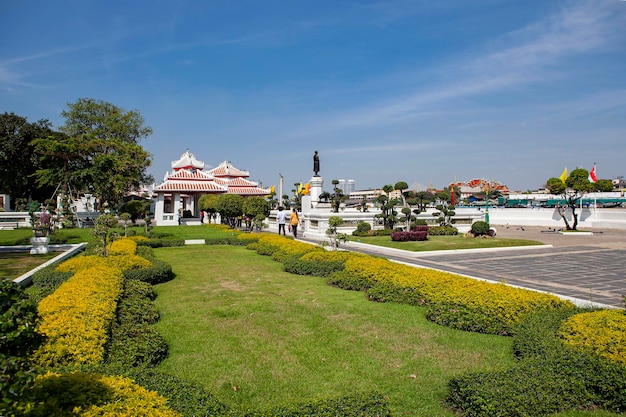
[
  {"x": 20, "y": 337},
  {"x": 413, "y": 235},
  {"x": 548, "y": 377},
  {"x": 443, "y": 231},
  {"x": 362, "y": 229},
  {"x": 480, "y": 228}
]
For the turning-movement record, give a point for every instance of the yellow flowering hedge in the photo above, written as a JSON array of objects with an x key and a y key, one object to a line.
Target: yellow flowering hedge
[
  {"x": 222, "y": 227},
  {"x": 453, "y": 300},
  {"x": 138, "y": 238},
  {"x": 124, "y": 246},
  {"x": 601, "y": 332},
  {"x": 90, "y": 395},
  {"x": 123, "y": 262},
  {"x": 77, "y": 317},
  {"x": 281, "y": 248}
]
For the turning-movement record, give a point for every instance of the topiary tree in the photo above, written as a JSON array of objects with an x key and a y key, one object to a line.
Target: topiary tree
[
  {"x": 102, "y": 230},
  {"x": 20, "y": 338},
  {"x": 401, "y": 186},
  {"x": 335, "y": 237},
  {"x": 387, "y": 213},
  {"x": 444, "y": 215},
  {"x": 125, "y": 219},
  {"x": 572, "y": 190}
]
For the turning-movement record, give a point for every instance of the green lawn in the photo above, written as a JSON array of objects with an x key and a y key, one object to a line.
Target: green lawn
[
  {"x": 257, "y": 336},
  {"x": 444, "y": 243},
  {"x": 22, "y": 236}
]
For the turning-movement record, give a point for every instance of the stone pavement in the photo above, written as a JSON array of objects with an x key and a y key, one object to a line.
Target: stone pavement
[{"x": 589, "y": 270}]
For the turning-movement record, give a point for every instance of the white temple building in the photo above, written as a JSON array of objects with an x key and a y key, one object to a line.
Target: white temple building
[{"x": 176, "y": 198}]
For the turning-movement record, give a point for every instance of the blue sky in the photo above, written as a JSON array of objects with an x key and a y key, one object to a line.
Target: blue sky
[{"x": 386, "y": 91}]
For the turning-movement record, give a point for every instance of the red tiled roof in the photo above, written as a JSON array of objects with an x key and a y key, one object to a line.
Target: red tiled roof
[
  {"x": 198, "y": 186},
  {"x": 186, "y": 174},
  {"x": 226, "y": 169},
  {"x": 247, "y": 191}
]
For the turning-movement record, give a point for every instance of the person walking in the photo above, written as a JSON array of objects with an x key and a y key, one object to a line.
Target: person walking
[
  {"x": 281, "y": 218},
  {"x": 294, "y": 221}
]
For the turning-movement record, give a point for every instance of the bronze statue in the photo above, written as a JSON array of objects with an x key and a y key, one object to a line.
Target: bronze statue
[{"x": 316, "y": 164}]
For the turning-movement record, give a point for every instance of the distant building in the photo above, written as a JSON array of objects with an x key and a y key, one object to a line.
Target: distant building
[{"x": 475, "y": 189}]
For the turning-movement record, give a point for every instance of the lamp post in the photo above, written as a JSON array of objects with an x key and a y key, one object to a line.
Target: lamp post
[{"x": 487, "y": 204}]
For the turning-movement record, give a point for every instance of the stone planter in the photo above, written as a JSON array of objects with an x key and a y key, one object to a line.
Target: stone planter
[{"x": 40, "y": 245}]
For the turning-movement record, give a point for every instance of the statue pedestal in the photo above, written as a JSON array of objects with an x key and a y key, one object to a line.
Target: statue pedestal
[
  {"x": 316, "y": 189},
  {"x": 40, "y": 245}
]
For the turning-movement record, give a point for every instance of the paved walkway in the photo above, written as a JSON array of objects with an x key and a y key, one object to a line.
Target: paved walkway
[{"x": 587, "y": 269}]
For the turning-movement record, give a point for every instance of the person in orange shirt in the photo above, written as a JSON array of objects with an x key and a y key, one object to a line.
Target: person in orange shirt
[{"x": 294, "y": 221}]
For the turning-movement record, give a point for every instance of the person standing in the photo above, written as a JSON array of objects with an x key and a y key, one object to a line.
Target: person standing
[
  {"x": 281, "y": 219},
  {"x": 294, "y": 221}
]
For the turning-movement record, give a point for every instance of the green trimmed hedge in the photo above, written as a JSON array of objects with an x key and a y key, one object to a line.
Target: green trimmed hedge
[
  {"x": 549, "y": 377},
  {"x": 158, "y": 273},
  {"x": 356, "y": 405},
  {"x": 46, "y": 281},
  {"x": 443, "y": 231},
  {"x": 136, "y": 345}
]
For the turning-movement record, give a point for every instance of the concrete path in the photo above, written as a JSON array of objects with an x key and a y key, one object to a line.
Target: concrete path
[{"x": 586, "y": 269}]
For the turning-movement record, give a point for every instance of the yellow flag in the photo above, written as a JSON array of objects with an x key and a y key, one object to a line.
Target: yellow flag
[
  {"x": 300, "y": 187},
  {"x": 563, "y": 176},
  {"x": 306, "y": 189},
  {"x": 273, "y": 189}
]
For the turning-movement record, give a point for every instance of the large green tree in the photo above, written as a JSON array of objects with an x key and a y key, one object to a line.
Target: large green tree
[
  {"x": 101, "y": 150},
  {"x": 572, "y": 190},
  {"x": 18, "y": 160}
]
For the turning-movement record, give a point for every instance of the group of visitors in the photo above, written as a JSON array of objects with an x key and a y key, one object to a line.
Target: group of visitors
[{"x": 294, "y": 221}]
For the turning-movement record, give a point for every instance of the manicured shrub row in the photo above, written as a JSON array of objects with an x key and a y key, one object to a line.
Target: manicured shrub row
[
  {"x": 281, "y": 248},
  {"x": 90, "y": 395},
  {"x": 601, "y": 332},
  {"x": 124, "y": 246},
  {"x": 46, "y": 281},
  {"x": 453, "y": 300},
  {"x": 549, "y": 376},
  {"x": 77, "y": 317},
  {"x": 121, "y": 262},
  {"x": 356, "y": 405},
  {"x": 157, "y": 273},
  {"x": 134, "y": 341},
  {"x": 412, "y": 236},
  {"x": 320, "y": 264},
  {"x": 162, "y": 243},
  {"x": 187, "y": 398},
  {"x": 443, "y": 231}
]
